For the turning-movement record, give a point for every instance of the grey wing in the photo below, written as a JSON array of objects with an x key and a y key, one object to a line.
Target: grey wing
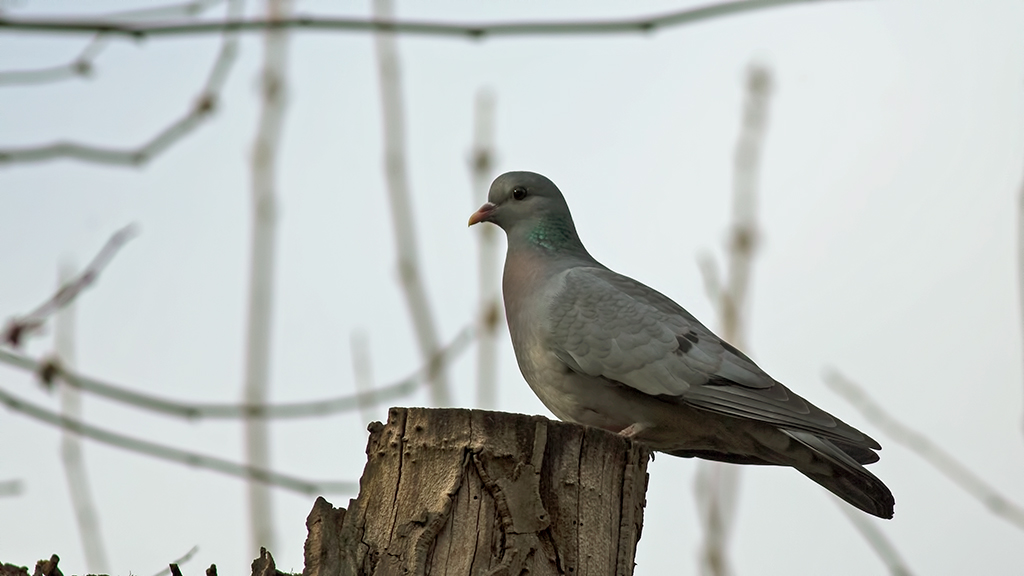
[{"x": 609, "y": 325}]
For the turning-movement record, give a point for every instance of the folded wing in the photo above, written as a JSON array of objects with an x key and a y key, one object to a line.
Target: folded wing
[{"x": 609, "y": 325}]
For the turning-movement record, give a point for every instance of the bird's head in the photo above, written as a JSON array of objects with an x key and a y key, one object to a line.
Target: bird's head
[{"x": 530, "y": 207}]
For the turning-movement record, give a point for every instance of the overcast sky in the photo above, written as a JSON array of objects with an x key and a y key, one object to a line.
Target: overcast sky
[{"x": 888, "y": 204}]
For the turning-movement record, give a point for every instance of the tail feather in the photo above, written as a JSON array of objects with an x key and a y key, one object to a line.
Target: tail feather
[
  {"x": 859, "y": 453},
  {"x": 842, "y": 474}
]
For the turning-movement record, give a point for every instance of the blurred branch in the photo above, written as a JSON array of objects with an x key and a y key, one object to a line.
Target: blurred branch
[
  {"x": 875, "y": 538},
  {"x": 79, "y": 491},
  {"x": 716, "y": 487},
  {"x": 743, "y": 236},
  {"x": 362, "y": 373},
  {"x": 709, "y": 273},
  {"x": 944, "y": 462},
  {"x": 82, "y": 65},
  {"x": 52, "y": 369},
  {"x": 403, "y": 223},
  {"x": 717, "y": 483},
  {"x": 273, "y": 91},
  {"x": 19, "y": 328},
  {"x": 633, "y": 25},
  {"x": 185, "y": 558},
  {"x": 204, "y": 105},
  {"x": 10, "y": 488},
  {"x": 489, "y": 307},
  {"x": 308, "y": 487}
]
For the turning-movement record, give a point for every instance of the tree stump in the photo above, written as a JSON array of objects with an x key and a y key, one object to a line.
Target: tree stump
[{"x": 469, "y": 492}]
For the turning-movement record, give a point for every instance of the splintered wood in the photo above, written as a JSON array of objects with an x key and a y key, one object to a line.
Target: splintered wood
[{"x": 474, "y": 493}]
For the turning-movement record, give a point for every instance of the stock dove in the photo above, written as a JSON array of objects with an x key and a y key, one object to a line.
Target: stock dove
[{"x": 601, "y": 349}]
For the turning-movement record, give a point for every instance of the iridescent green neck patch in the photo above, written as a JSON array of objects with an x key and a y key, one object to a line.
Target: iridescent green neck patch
[{"x": 553, "y": 233}]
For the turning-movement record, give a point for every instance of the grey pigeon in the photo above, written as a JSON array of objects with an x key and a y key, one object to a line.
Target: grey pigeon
[{"x": 601, "y": 349}]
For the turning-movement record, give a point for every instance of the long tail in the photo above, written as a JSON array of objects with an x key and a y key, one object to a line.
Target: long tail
[{"x": 843, "y": 476}]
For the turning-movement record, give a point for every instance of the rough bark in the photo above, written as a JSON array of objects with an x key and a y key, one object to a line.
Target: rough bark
[
  {"x": 43, "y": 568},
  {"x": 263, "y": 566},
  {"x": 12, "y": 570},
  {"x": 458, "y": 492}
]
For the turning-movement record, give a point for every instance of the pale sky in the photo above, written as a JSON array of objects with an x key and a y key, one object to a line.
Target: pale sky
[{"x": 888, "y": 205}]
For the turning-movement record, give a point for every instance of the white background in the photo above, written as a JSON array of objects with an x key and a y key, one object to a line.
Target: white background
[{"x": 888, "y": 205}]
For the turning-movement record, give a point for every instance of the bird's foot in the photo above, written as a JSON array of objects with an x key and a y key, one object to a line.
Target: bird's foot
[{"x": 633, "y": 430}]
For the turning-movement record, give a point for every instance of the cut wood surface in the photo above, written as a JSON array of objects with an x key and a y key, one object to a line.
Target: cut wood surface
[{"x": 469, "y": 492}]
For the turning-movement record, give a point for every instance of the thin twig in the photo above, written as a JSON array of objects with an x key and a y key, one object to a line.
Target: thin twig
[
  {"x": 82, "y": 66},
  {"x": 185, "y": 558},
  {"x": 197, "y": 411},
  {"x": 202, "y": 108},
  {"x": 11, "y": 487},
  {"x": 86, "y": 514},
  {"x": 403, "y": 223},
  {"x": 943, "y": 461},
  {"x": 139, "y": 446},
  {"x": 875, "y": 538},
  {"x": 489, "y": 308},
  {"x": 632, "y": 25},
  {"x": 19, "y": 328}
]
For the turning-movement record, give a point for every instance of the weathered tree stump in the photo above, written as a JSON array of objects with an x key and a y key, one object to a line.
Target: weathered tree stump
[{"x": 468, "y": 492}]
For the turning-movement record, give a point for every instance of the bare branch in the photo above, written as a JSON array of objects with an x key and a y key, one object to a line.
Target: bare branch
[
  {"x": 10, "y": 487},
  {"x": 943, "y": 461},
  {"x": 203, "y": 107},
  {"x": 633, "y": 25},
  {"x": 82, "y": 66},
  {"x": 403, "y": 223},
  {"x": 716, "y": 488},
  {"x": 197, "y": 411},
  {"x": 263, "y": 250},
  {"x": 18, "y": 329},
  {"x": 875, "y": 538},
  {"x": 489, "y": 307},
  {"x": 743, "y": 233},
  {"x": 82, "y": 502},
  {"x": 185, "y": 558},
  {"x": 139, "y": 446}
]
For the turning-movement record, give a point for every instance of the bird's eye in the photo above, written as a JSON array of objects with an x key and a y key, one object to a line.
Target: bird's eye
[{"x": 519, "y": 193}]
